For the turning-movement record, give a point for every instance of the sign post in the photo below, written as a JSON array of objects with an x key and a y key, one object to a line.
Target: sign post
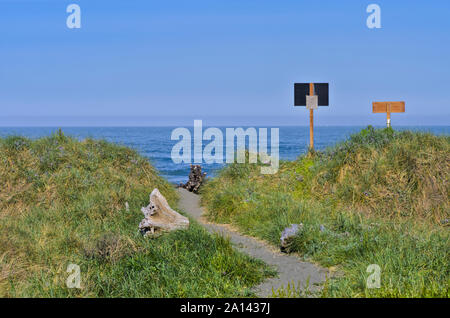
[
  {"x": 311, "y": 95},
  {"x": 311, "y": 118},
  {"x": 388, "y": 108}
]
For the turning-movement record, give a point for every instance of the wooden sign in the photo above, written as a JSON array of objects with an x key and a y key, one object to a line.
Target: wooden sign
[
  {"x": 388, "y": 108},
  {"x": 392, "y": 107},
  {"x": 311, "y": 95}
]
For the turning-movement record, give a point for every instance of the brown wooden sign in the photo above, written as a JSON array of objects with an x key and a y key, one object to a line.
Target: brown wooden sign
[{"x": 388, "y": 107}]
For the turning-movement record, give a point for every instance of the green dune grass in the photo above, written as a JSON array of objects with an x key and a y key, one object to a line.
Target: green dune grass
[
  {"x": 381, "y": 197},
  {"x": 62, "y": 201}
]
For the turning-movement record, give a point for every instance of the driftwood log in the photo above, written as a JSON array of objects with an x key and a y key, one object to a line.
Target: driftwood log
[
  {"x": 196, "y": 179},
  {"x": 159, "y": 217}
]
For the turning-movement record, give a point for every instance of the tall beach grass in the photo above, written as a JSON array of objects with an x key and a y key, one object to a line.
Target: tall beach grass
[{"x": 381, "y": 197}]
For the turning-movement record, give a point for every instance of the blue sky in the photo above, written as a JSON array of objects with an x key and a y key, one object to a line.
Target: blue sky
[{"x": 238, "y": 58}]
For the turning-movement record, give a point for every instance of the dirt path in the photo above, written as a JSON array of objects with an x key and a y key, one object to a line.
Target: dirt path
[{"x": 289, "y": 267}]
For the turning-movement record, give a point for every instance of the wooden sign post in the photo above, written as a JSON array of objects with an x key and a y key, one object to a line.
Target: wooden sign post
[
  {"x": 311, "y": 95},
  {"x": 388, "y": 108},
  {"x": 311, "y": 118}
]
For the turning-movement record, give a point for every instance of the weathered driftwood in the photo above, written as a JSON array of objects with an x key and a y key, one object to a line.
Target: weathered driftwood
[
  {"x": 159, "y": 217},
  {"x": 288, "y": 235},
  {"x": 196, "y": 179}
]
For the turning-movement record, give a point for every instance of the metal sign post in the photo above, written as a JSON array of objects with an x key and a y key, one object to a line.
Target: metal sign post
[
  {"x": 311, "y": 95},
  {"x": 388, "y": 108}
]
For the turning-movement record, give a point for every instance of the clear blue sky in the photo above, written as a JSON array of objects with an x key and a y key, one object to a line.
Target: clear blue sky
[{"x": 222, "y": 57}]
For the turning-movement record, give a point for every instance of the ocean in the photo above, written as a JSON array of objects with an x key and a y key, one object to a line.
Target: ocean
[{"x": 155, "y": 142}]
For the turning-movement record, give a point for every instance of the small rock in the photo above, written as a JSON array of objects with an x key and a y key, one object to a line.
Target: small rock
[
  {"x": 127, "y": 207},
  {"x": 287, "y": 235},
  {"x": 322, "y": 228}
]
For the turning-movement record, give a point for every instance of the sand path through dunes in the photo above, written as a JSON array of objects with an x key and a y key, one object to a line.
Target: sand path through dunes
[{"x": 289, "y": 267}]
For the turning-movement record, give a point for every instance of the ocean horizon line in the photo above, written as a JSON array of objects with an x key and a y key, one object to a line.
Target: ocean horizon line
[
  {"x": 226, "y": 126},
  {"x": 300, "y": 119}
]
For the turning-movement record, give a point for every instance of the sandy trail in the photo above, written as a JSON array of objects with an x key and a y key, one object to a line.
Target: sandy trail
[{"x": 289, "y": 267}]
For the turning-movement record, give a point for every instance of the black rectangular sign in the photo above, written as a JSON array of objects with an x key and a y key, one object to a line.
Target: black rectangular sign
[{"x": 302, "y": 89}]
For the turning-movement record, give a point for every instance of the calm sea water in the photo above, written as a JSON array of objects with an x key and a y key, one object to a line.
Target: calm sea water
[{"x": 155, "y": 143}]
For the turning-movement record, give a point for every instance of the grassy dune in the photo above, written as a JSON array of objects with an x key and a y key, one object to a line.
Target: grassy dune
[
  {"x": 63, "y": 201},
  {"x": 381, "y": 197}
]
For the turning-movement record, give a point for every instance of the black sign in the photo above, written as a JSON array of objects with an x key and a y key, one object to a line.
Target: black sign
[{"x": 302, "y": 89}]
